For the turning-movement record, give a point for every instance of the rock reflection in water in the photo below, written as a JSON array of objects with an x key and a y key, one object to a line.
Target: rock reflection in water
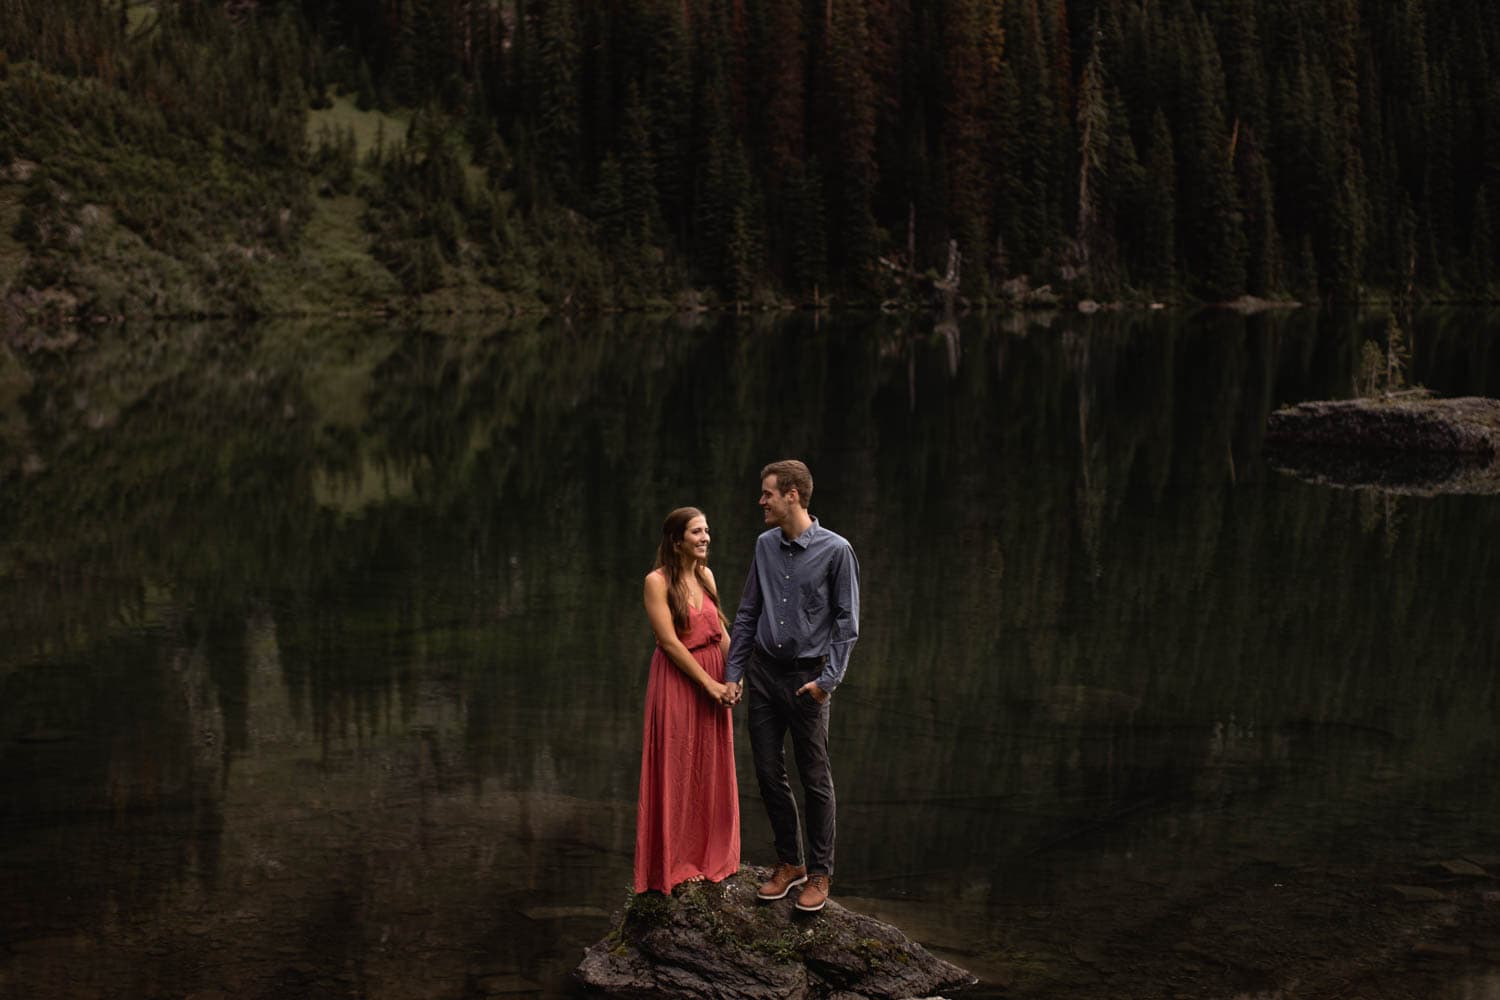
[
  {"x": 1407, "y": 473},
  {"x": 328, "y": 682},
  {"x": 1480, "y": 987}
]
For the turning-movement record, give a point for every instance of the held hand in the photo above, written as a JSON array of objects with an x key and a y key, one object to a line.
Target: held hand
[
  {"x": 731, "y": 694},
  {"x": 813, "y": 691},
  {"x": 715, "y": 690}
]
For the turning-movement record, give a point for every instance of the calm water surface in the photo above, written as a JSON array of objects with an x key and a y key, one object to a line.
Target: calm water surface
[{"x": 322, "y": 657}]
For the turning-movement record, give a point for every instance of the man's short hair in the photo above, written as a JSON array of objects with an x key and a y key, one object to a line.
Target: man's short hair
[{"x": 791, "y": 474}]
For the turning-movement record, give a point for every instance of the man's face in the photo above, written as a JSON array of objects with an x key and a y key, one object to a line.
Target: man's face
[{"x": 778, "y": 506}]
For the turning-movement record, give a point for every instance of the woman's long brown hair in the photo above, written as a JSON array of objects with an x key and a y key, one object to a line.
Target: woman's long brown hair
[{"x": 669, "y": 560}]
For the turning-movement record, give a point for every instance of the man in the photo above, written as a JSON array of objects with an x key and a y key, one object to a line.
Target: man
[{"x": 797, "y": 623}]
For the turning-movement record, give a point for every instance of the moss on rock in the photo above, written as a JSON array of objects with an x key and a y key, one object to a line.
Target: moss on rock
[{"x": 720, "y": 942}]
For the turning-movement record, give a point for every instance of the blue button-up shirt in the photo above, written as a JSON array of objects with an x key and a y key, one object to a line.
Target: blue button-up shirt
[{"x": 801, "y": 599}]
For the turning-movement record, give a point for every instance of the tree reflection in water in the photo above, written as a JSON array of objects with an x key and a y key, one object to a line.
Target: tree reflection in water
[{"x": 322, "y": 656}]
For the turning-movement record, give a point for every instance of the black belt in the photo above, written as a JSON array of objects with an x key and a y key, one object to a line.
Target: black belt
[{"x": 790, "y": 663}]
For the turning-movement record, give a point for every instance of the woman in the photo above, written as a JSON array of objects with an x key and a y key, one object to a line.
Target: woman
[{"x": 688, "y": 817}]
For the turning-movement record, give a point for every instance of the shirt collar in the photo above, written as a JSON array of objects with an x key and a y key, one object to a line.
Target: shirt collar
[{"x": 803, "y": 540}]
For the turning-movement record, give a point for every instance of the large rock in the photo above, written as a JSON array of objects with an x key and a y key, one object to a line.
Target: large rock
[
  {"x": 1406, "y": 444},
  {"x": 1413, "y": 422},
  {"x": 718, "y": 942}
]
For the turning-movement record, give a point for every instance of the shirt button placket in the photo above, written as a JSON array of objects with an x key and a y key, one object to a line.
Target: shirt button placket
[{"x": 785, "y": 589}]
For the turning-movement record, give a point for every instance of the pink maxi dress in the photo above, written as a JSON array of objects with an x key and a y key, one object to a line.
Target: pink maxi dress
[{"x": 688, "y": 815}]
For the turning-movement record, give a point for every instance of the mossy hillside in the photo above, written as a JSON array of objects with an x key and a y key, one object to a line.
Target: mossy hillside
[
  {"x": 140, "y": 17},
  {"x": 112, "y": 211},
  {"x": 370, "y": 128},
  {"x": 131, "y": 216},
  {"x": 12, "y": 252}
]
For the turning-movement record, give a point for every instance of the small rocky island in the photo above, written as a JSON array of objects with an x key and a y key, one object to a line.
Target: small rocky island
[
  {"x": 718, "y": 942},
  {"x": 1410, "y": 421},
  {"x": 1404, "y": 443}
]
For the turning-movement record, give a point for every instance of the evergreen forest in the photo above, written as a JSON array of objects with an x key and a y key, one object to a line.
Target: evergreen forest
[{"x": 183, "y": 157}]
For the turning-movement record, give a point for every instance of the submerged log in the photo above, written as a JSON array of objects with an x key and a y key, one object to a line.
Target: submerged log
[
  {"x": 718, "y": 942},
  {"x": 1411, "y": 422}
]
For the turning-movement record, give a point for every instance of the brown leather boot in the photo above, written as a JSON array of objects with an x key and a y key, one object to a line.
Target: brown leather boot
[
  {"x": 782, "y": 880},
  {"x": 815, "y": 894}
]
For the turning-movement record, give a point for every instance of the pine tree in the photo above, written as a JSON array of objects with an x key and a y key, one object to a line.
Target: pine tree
[
  {"x": 405, "y": 73},
  {"x": 1408, "y": 84},
  {"x": 776, "y": 138},
  {"x": 1123, "y": 192},
  {"x": 847, "y": 124},
  {"x": 609, "y": 202},
  {"x": 741, "y": 255},
  {"x": 1093, "y": 155},
  {"x": 1238, "y": 33},
  {"x": 1404, "y": 273},
  {"x": 556, "y": 127},
  {"x": 1158, "y": 250},
  {"x": 668, "y": 90},
  {"x": 1437, "y": 204},
  {"x": 998, "y": 111},
  {"x": 365, "y": 95},
  {"x": 963, "y": 63},
  {"x": 782, "y": 86},
  {"x": 1215, "y": 234},
  {"x": 1128, "y": 61},
  {"x": 1490, "y": 171},
  {"x": 1019, "y": 231},
  {"x": 808, "y": 250},
  {"x": 1482, "y": 245},
  {"x": 1348, "y": 199},
  {"x": 1059, "y": 39},
  {"x": 639, "y": 200},
  {"x": 1470, "y": 89},
  {"x": 727, "y": 234},
  {"x": 1376, "y": 152},
  {"x": 1263, "y": 238},
  {"x": 1302, "y": 152},
  {"x": 603, "y": 81},
  {"x": 1036, "y": 133},
  {"x": 1308, "y": 281}
]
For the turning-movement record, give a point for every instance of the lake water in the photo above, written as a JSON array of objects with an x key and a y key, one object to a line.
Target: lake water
[{"x": 322, "y": 657}]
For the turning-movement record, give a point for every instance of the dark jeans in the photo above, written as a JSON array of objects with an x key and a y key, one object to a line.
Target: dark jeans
[{"x": 775, "y": 708}]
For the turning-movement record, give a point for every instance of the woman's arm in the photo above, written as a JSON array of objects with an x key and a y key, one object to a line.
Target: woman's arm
[{"x": 660, "y": 616}]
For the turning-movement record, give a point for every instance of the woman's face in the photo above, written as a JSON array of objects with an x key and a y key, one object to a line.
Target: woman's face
[{"x": 694, "y": 544}]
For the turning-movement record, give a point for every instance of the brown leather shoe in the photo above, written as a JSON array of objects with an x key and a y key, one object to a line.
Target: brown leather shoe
[
  {"x": 815, "y": 894},
  {"x": 782, "y": 880}
]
